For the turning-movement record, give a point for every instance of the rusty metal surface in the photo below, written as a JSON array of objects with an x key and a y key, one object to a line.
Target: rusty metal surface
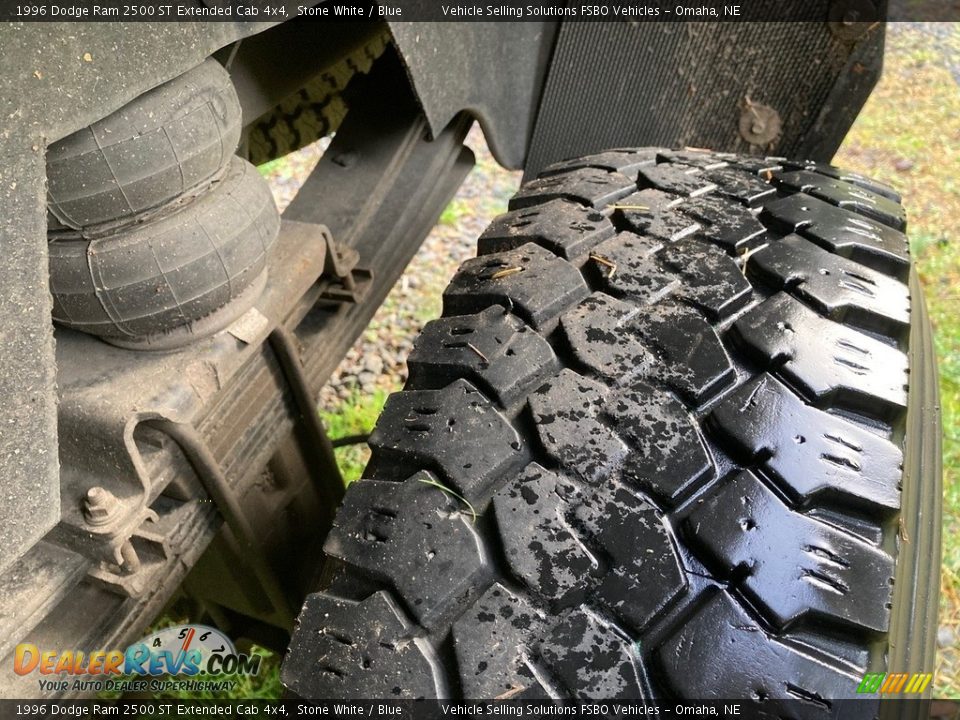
[{"x": 83, "y": 566}]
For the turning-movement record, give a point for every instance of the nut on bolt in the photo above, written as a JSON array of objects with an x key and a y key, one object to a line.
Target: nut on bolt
[
  {"x": 100, "y": 506},
  {"x": 759, "y": 124}
]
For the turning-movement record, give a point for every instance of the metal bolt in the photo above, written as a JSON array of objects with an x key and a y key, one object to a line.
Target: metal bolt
[
  {"x": 849, "y": 20},
  {"x": 131, "y": 561},
  {"x": 759, "y": 124},
  {"x": 100, "y": 506}
]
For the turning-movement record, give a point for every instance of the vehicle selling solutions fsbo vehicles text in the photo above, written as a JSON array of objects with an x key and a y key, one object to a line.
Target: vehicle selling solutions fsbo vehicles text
[{"x": 586, "y": 11}]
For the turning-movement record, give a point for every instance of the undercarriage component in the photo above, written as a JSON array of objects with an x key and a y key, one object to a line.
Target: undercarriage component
[
  {"x": 178, "y": 276},
  {"x": 692, "y": 84},
  {"x": 159, "y": 234},
  {"x": 55, "y": 83},
  {"x": 226, "y": 429},
  {"x": 163, "y": 144}
]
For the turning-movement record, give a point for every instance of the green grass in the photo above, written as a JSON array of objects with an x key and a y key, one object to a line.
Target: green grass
[
  {"x": 454, "y": 211},
  {"x": 274, "y": 167},
  {"x": 354, "y": 416},
  {"x": 912, "y": 122},
  {"x": 459, "y": 208}
]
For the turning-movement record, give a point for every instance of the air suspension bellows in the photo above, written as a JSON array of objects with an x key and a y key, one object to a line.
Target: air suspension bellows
[{"x": 158, "y": 233}]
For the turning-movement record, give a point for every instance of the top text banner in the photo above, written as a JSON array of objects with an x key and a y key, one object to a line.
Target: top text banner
[{"x": 841, "y": 11}]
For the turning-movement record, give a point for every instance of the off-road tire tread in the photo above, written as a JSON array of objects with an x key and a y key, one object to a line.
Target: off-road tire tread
[
  {"x": 689, "y": 445},
  {"x": 315, "y": 110}
]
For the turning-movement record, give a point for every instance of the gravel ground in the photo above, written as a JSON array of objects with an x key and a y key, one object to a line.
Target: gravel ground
[{"x": 378, "y": 358}]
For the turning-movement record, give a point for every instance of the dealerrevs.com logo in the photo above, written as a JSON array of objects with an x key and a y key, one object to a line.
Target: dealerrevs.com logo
[{"x": 183, "y": 652}]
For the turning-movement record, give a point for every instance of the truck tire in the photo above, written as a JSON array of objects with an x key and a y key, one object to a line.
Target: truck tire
[
  {"x": 657, "y": 447},
  {"x": 157, "y": 147},
  {"x": 315, "y": 110},
  {"x": 157, "y": 284}
]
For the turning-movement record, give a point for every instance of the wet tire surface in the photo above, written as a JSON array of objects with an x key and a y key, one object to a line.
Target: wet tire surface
[{"x": 652, "y": 449}]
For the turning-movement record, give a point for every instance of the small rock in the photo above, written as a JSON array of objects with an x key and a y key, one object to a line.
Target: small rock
[
  {"x": 946, "y": 637},
  {"x": 373, "y": 363},
  {"x": 903, "y": 165}
]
